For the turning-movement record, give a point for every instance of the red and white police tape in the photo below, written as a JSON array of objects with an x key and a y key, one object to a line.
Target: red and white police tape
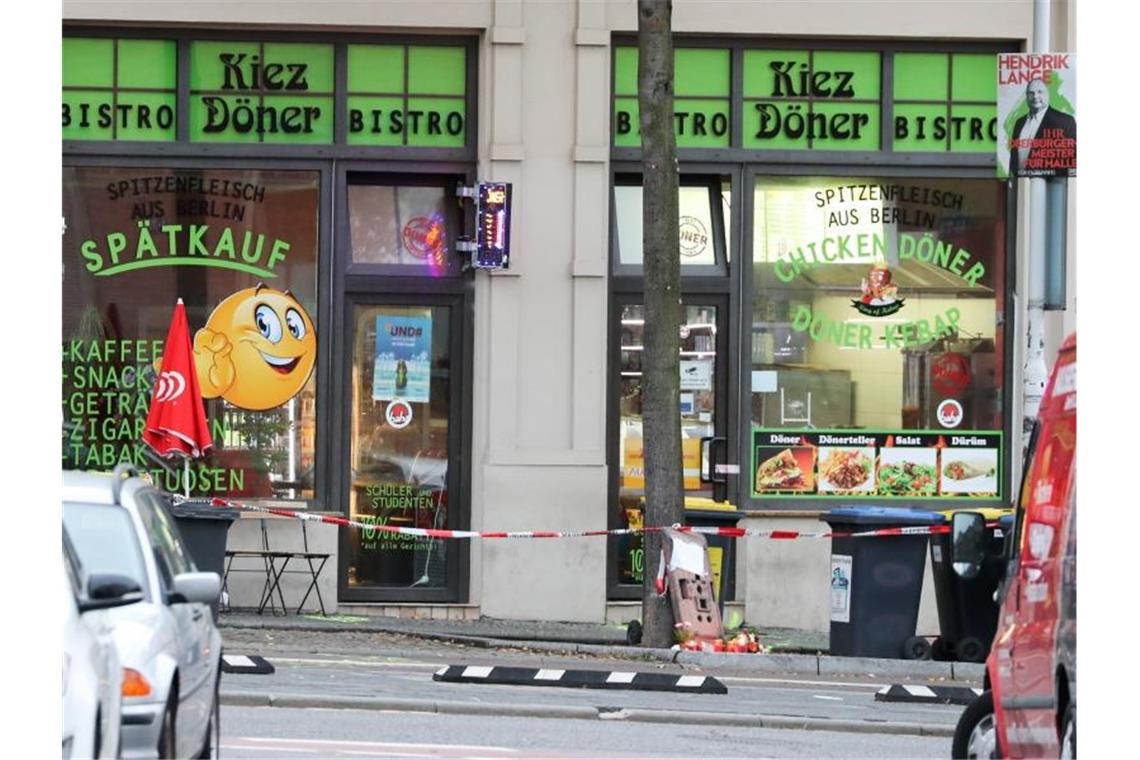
[{"x": 916, "y": 530}]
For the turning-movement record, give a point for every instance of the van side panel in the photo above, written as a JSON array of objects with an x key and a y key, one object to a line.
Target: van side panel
[{"x": 1032, "y": 610}]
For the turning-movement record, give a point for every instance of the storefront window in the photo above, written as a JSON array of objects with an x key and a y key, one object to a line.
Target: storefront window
[
  {"x": 400, "y": 421},
  {"x": 239, "y": 247},
  {"x": 406, "y": 226},
  {"x": 876, "y": 337},
  {"x": 704, "y": 214}
]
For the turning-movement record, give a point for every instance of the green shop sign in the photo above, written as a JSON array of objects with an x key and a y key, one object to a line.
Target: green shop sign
[
  {"x": 945, "y": 102},
  {"x": 265, "y": 92},
  {"x": 407, "y": 95},
  {"x": 820, "y": 100},
  {"x": 800, "y": 100},
  {"x": 701, "y": 108},
  {"x": 119, "y": 89},
  {"x": 261, "y": 92}
]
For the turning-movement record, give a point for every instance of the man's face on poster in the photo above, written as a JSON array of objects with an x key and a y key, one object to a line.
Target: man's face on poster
[{"x": 1037, "y": 96}]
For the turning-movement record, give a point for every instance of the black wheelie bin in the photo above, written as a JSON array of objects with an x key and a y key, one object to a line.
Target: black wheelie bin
[
  {"x": 967, "y": 610},
  {"x": 876, "y": 582},
  {"x": 204, "y": 529}
]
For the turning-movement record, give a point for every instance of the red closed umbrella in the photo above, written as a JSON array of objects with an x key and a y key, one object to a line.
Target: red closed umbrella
[{"x": 176, "y": 423}]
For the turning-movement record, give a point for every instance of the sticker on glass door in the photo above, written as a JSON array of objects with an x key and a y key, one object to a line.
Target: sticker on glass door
[
  {"x": 398, "y": 414},
  {"x": 841, "y": 588}
]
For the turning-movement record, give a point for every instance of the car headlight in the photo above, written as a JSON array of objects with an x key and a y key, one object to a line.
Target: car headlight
[{"x": 135, "y": 684}]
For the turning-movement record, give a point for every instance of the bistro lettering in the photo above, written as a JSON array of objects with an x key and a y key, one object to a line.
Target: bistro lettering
[
  {"x": 396, "y": 122},
  {"x": 123, "y": 115},
  {"x": 938, "y": 127},
  {"x": 697, "y": 123}
]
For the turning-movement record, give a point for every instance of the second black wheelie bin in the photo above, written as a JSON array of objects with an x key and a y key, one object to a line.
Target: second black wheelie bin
[{"x": 967, "y": 609}]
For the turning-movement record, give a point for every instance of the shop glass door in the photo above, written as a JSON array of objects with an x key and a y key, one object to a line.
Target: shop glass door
[
  {"x": 401, "y": 444},
  {"x": 702, "y": 348}
]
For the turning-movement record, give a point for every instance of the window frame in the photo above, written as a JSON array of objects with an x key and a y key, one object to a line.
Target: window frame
[
  {"x": 1004, "y": 320},
  {"x": 721, "y": 251},
  {"x": 626, "y": 285},
  {"x": 323, "y": 314},
  {"x": 335, "y": 286},
  {"x": 455, "y": 589},
  {"x": 745, "y": 165},
  {"x": 446, "y": 181},
  {"x": 355, "y": 284}
]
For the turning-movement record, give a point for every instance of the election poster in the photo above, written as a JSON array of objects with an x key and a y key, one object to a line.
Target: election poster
[
  {"x": 1037, "y": 115},
  {"x": 403, "y": 358}
]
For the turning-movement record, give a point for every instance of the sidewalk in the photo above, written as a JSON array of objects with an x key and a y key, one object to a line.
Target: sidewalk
[{"x": 792, "y": 651}]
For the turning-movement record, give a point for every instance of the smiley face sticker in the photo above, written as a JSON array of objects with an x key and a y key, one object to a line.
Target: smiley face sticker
[{"x": 257, "y": 350}]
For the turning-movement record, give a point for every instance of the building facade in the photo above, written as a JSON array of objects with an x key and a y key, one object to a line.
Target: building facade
[{"x": 853, "y": 278}]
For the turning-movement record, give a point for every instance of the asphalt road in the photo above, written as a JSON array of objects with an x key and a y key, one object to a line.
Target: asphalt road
[
  {"x": 387, "y": 705},
  {"x": 292, "y": 733}
]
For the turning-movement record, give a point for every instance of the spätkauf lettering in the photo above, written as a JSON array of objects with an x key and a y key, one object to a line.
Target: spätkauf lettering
[{"x": 174, "y": 240}]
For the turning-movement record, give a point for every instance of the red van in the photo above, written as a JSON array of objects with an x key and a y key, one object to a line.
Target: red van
[{"x": 1029, "y": 704}]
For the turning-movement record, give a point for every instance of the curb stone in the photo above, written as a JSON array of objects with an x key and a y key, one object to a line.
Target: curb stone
[
  {"x": 504, "y": 637},
  {"x": 245, "y": 699},
  {"x": 882, "y": 667},
  {"x": 642, "y": 715},
  {"x": 519, "y": 711},
  {"x": 969, "y": 671},
  {"x": 639, "y": 715},
  {"x": 770, "y": 663},
  {"x": 767, "y": 663}
]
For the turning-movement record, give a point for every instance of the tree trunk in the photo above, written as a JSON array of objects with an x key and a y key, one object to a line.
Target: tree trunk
[{"x": 661, "y": 416}]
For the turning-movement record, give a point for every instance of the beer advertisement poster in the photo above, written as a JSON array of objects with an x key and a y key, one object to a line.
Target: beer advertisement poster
[{"x": 1037, "y": 115}]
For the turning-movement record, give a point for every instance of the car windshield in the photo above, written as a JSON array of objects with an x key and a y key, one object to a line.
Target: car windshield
[{"x": 105, "y": 540}]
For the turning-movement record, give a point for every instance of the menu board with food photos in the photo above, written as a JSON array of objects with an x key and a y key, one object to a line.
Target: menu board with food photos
[{"x": 879, "y": 465}]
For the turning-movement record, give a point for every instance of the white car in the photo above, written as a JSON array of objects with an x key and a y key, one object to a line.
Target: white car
[
  {"x": 168, "y": 644},
  {"x": 92, "y": 677}
]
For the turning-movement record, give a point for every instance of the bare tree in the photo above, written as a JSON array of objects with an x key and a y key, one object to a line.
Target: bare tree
[{"x": 661, "y": 416}]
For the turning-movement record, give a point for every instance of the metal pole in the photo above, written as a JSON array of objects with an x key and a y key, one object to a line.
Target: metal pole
[
  {"x": 1036, "y": 373},
  {"x": 1057, "y": 210}
]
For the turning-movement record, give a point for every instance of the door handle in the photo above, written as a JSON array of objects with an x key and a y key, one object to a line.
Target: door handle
[{"x": 709, "y": 475}]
